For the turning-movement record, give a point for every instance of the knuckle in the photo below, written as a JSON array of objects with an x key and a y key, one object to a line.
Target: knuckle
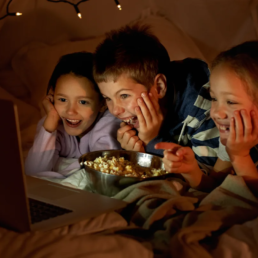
[
  {"x": 134, "y": 139},
  {"x": 127, "y": 134}
]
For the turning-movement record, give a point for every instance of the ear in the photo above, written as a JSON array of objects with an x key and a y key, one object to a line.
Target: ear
[{"x": 160, "y": 85}]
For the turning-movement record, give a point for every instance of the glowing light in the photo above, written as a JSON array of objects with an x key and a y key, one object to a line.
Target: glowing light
[
  {"x": 118, "y": 5},
  {"x": 79, "y": 15},
  {"x": 18, "y": 14}
]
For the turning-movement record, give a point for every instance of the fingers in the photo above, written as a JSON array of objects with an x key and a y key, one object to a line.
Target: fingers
[
  {"x": 247, "y": 123},
  {"x": 122, "y": 124},
  {"x": 172, "y": 162},
  {"x": 141, "y": 119},
  {"x": 124, "y": 134},
  {"x": 238, "y": 126},
  {"x": 254, "y": 119},
  {"x": 172, "y": 156},
  {"x": 50, "y": 97},
  {"x": 48, "y": 103},
  {"x": 137, "y": 145},
  {"x": 244, "y": 124},
  {"x": 149, "y": 108},
  {"x": 166, "y": 146},
  {"x": 232, "y": 133},
  {"x": 155, "y": 103}
]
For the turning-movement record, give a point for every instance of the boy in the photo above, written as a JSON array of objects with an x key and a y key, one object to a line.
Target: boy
[{"x": 156, "y": 99}]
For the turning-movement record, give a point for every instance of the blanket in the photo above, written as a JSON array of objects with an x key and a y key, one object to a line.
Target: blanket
[{"x": 164, "y": 218}]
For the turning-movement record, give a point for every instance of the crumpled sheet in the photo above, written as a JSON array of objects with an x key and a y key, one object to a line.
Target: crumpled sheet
[
  {"x": 88, "y": 238},
  {"x": 164, "y": 218},
  {"x": 189, "y": 224}
]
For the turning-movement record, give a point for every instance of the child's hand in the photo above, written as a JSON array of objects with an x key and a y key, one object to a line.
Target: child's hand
[
  {"x": 243, "y": 134},
  {"x": 178, "y": 159},
  {"x": 128, "y": 138},
  {"x": 149, "y": 116},
  {"x": 52, "y": 119}
]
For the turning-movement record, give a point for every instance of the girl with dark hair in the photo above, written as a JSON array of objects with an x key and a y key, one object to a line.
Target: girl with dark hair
[{"x": 76, "y": 120}]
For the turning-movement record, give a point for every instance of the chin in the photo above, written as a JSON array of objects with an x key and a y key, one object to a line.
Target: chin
[{"x": 223, "y": 141}]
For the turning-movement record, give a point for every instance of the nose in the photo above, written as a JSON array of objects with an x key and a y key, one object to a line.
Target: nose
[
  {"x": 219, "y": 111},
  {"x": 71, "y": 109},
  {"x": 117, "y": 109}
]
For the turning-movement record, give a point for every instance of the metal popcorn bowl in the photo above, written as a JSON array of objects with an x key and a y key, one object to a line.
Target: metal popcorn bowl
[{"x": 108, "y": 184}]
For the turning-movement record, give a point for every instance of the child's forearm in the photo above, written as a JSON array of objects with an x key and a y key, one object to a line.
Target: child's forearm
[
  {"x": 194, "y": 178},
  {"x": 51, "y": 123},
  {"x": 244, "y": 166},
  {"x": 207, "y": 183},
  {"x": 252, "y": 183}
]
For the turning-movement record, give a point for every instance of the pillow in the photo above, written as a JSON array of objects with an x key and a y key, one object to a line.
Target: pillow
[{"x": 35, "y": 62}]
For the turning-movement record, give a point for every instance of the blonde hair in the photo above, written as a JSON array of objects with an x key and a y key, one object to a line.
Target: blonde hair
[{"x": 243, "y": 60}]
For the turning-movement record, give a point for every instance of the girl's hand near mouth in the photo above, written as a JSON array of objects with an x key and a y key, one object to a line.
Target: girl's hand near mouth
[{"x": 243, "y": 135}]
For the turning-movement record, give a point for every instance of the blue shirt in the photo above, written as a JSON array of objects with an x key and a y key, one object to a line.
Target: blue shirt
[{"x": 187, "y": 121}]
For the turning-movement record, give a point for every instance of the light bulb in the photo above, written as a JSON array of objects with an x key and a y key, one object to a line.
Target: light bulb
[
  {"x": 118, "y": 5},
  {"x": 18, "y": 14}
]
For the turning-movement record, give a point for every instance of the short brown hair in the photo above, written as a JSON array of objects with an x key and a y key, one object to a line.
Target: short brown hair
[
  {"x": 243, "y": 60},
  {"x": 131, "y": 50}
]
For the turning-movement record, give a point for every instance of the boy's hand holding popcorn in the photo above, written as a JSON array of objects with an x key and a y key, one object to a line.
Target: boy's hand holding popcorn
[{"x": 128, "y": 139}]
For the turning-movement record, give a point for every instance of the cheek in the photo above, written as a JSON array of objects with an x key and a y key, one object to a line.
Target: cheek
[
  {"x": 91, "y": 113},
  {"x": 58, "y": 108},
  {"x": 132, "y": 105},
  {"x": 212, "y": 110}
]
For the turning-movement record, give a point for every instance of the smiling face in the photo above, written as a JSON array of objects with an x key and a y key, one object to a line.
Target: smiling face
[
  {"x": 121, "y": 97},
  {"x": 77, "y": 103},
  {"x": 228, "y": 93}
]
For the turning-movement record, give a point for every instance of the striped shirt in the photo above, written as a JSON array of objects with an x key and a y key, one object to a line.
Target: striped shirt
[{"x": 188, "y": 120}]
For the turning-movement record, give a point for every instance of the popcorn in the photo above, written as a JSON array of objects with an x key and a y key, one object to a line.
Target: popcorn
[{"x": 121, "y": 167}]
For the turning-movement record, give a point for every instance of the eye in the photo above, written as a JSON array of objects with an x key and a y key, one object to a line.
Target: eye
[
  {"x": 106, "y": 98},
  {"x": 231, "y": 102},
  {"x": 213, "y": 99},
  {"x": 83, "y": 102},
  {"x": 124, "y": 96},
  {"x": 62, "y": 99}
]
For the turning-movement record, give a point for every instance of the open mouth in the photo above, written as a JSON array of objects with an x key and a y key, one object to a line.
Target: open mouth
[
  {"x": 72, "y": 123},
  {"x": 223, "y": 128},
  {"x": 131, "y": 121}
]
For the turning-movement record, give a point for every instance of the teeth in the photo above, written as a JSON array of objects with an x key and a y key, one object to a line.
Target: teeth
[
  {"x": 223, "y": 127},
  {"x": 73, "y": 121},
  {"x": 129, "y": 121}
]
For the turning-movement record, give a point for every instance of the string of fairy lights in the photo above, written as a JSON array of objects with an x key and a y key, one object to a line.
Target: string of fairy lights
[{"x": 76, "y": 7}]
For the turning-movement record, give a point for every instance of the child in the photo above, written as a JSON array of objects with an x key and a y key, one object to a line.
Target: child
[
  {"x": 156, "y": 99},
  {"x": 74, "y": 122},
  {"x": 234, "y": 109}
]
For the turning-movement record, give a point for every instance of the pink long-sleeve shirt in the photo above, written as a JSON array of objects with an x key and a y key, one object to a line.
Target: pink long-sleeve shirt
[{"x": 49, "y": 147}]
